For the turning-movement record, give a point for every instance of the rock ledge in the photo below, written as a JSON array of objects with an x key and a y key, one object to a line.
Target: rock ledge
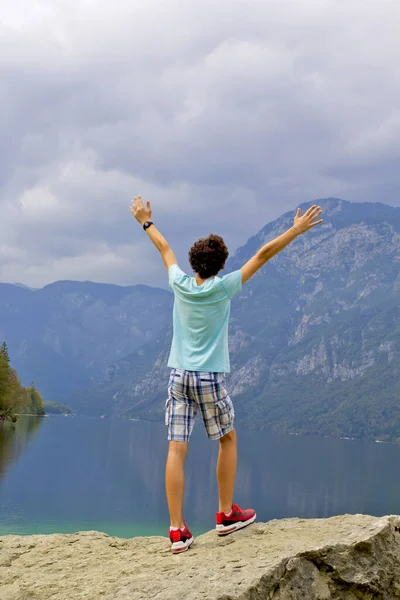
[{"x": 344, "y": 557}]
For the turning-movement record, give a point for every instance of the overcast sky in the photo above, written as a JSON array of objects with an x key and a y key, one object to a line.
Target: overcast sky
[{"x": 224, "y": 114}]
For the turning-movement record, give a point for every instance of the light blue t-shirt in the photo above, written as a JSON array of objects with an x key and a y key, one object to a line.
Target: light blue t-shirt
[{"x": 200, "y": 320}]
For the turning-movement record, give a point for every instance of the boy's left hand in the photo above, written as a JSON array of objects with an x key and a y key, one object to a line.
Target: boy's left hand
[{"x": 138, "y": 210}]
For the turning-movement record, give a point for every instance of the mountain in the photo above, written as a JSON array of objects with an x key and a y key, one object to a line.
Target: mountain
[
  {"x": 314, "y": 335},
  {"x": 64, "y": 335},
  {"x": 26, "y": 287}
]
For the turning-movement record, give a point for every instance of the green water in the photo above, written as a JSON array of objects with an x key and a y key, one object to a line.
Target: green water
[
  {"x": 123, "y": 530},
  {"x": 68, "y": 474}
]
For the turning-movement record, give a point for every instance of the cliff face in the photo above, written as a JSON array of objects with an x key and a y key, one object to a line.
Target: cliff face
[
  {"x": 334, "y": 292},
  {"x": 314, "y": 335},
  {"x": 340, "y": 558}
]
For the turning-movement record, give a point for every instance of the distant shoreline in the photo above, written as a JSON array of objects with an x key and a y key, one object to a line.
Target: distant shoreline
[{"x": 329, "y": 437}]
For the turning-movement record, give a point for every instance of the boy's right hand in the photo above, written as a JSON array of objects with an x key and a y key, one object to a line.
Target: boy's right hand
[{"x": 305, "y": 222}]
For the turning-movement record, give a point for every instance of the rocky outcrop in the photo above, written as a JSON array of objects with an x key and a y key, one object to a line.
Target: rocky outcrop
[{"x": 345, "y": 557}]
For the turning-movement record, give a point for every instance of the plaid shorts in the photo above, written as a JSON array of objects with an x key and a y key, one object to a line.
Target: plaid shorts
[{"x": 189, "y": 391}]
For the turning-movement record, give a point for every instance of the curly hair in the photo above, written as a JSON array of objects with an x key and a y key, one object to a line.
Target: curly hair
[{"x": 208, "y": 256}]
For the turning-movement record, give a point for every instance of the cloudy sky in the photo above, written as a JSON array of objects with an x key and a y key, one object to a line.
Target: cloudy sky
[{"x": 224, "y": 114}]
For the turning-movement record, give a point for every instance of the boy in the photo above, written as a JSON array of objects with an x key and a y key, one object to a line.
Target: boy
[{"x": 199, "y": 358}]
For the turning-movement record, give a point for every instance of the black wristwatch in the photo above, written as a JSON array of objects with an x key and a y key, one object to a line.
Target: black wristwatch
[{"x": 147, "y": 224}]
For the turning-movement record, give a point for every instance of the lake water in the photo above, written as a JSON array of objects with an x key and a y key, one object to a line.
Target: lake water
[{"x": 66, "y": 474}]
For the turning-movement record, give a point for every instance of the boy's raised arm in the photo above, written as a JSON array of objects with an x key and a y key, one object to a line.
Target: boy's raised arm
[
  {"x": 301, "y": 225},
  {"x": 143, "y": 214}
]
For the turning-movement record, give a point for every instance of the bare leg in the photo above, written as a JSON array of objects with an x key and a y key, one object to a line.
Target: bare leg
[
  {"x": 175, "y": 481},
  {"x": 226, "y": 470}
]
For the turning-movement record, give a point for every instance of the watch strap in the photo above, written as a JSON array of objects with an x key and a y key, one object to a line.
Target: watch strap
[{"x": 147, "y": 224}]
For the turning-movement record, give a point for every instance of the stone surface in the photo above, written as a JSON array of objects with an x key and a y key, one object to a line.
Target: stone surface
[{"x": 344, "y": 557}]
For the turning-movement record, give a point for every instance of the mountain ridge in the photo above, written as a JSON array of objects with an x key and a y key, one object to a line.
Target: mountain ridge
[
  {"x": 307, "y": 332},
  {"x": 299, "y": 333}
]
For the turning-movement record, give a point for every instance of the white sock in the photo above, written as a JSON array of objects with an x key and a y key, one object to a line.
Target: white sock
[
  {"x": 177, "y": 528},
  {"x": 229, "y": 513}
]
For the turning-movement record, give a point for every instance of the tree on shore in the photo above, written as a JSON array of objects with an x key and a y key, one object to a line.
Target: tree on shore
[
  {"x": 5, "y": 381},
  {"x": 36, "y": 404},
  {"x": 14, "y": 398},
  {"x": 4, "y": 350}
]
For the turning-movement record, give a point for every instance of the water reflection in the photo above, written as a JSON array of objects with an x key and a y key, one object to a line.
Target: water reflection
[
  {"x": 86, "y": 473},
  {"x": 14, "y": 438}
]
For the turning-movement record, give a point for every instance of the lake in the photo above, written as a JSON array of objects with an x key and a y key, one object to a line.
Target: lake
[{"x": 66, "y": 474}]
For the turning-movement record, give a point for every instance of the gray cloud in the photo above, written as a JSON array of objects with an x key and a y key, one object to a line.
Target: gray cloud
[{"x": 223, "y": 114}]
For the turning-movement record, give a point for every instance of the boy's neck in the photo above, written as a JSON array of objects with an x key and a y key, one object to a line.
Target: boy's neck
[{"x": 200, "y": 281}]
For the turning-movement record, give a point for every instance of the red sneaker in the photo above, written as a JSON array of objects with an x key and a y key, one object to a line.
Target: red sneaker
[
  {"x": 237, "y": 519},
  {"x": 180, "y": 540}
]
